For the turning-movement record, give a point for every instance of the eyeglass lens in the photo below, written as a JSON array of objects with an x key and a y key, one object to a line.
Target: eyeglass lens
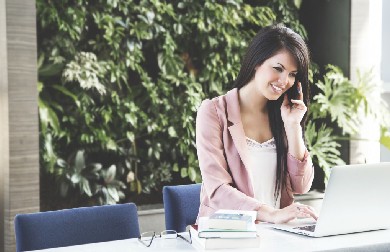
[
  {"x": 147, "y": 238},
  {"x": 168, "y": 234}
]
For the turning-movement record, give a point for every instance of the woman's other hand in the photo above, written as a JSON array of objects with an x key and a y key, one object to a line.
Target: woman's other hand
[
  {"x": 293, "y": 211},
  {"x": 289, "y": 213}
]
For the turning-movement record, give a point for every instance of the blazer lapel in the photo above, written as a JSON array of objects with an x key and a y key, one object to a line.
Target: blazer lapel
[
  {"x": 237, "y": 130},
  {"x": 238, "y": 135}
]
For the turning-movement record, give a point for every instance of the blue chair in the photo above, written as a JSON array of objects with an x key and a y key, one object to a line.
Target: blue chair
[
  {"x": 76, "y": 226},
  {"x": 181, "y": 205}
]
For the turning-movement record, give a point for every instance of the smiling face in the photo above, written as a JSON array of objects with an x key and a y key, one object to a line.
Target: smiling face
[{"x": 276, "y": 75}]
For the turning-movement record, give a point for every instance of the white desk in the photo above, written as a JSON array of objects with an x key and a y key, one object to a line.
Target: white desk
[{"x": 271, "y": 240}]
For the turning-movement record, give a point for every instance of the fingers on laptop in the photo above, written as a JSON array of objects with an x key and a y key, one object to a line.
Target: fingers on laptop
[
  {"x": 304, "y": 211},
  {"x": 293, "y": 211}
]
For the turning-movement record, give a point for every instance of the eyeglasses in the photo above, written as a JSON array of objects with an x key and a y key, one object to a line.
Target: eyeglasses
[{"x": 147, "y": 238}]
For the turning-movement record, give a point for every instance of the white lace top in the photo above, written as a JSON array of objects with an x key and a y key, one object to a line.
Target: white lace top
[{"x": 262, "y": 158}]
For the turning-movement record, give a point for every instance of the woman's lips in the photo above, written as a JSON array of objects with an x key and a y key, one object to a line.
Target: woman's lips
[{"x": 276, "y": 89}]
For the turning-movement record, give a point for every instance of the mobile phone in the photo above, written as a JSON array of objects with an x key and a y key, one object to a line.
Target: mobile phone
[{"x": 293, "y": 93}]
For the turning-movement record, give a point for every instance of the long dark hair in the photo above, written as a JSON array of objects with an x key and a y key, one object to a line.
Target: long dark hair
[{"x": 267, "y": 42}]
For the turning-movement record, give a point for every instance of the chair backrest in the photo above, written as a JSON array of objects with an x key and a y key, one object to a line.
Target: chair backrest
[
  {"x": 181, "y": 205},
  {"x": 76, "y": 226}
]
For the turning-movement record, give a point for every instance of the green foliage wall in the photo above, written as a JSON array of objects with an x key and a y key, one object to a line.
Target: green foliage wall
[{"x": 120, "y": 83}]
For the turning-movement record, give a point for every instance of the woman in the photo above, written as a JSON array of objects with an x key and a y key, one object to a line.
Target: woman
[{"x": 250, "y": 141}]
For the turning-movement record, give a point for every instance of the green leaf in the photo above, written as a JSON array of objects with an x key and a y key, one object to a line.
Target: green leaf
[
  {"x": 50, "y": 70},
  {"x": 61, "y": 163},
  {"x": 111, "y": 172},
  {"x": 139, "y": 187},
  {"x": 111, "y": 145},
  {"x": 297, "y": 3},
  {"x": 131, "y": 118},
  {"x": 94, "y": 167},
  {"x": 385, "y": 139},
  {"x": 85, "y": 187},
  {"x": 172, "y": 132},
  {"x": 121, "y": 195},
  {"x": 113, "y": 193},
  {"x": 75, "y": 178},
  {"x": 106, "y": 195},
  {"x": 183, "y": 172},
  {"x": 175, "y": 167},
  {"x": 66, "y": 92},
  {"x": 192, "y": 173},
  {"x": 40, "y": 87},
  {"x": 79, "y": 163},
  {"x": 130, "y": 136},
  {"x": 47, "y": 116}
]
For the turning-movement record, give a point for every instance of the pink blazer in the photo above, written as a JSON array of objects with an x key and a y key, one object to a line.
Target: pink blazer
[{"x": 223, "y": 160}]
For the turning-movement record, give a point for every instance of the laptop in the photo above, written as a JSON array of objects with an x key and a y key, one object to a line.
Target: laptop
[{"x": 357, "y": 199}]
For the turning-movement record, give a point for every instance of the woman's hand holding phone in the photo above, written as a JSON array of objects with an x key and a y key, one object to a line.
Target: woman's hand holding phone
[{"x": 293, "y": 111}]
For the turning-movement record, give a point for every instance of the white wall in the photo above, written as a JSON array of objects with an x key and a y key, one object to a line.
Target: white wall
[
  {"x": 365, "y": 47},
  {"x": 385, "y": 66}
]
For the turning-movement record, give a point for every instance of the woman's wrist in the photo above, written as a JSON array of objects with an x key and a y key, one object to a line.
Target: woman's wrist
[
  {"x": 296, "y": 145},
  {"x": 266, "y": 213},
  {"x": 293, "y": 129}
]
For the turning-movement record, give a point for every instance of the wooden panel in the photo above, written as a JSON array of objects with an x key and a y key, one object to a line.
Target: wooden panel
[
  {"x": 4, "y": 136},
  {"x": 18, "y": 115}
]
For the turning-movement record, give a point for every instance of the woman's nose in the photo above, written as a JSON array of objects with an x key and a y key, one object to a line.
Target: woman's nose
[{"x": 284, "y": 80}]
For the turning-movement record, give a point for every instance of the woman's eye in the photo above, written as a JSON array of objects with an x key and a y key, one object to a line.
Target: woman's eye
[
  {"x": 293, "y": 75},
  {"x": 279, "y": 69}
]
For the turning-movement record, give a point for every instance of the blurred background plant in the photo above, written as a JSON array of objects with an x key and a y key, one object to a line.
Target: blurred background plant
[
  {"x": 120, "y": 83},
  {"x": 341, "y": 104}
]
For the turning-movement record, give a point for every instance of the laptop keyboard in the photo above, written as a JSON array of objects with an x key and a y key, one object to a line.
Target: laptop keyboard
[{"x": 309, "y": 228}]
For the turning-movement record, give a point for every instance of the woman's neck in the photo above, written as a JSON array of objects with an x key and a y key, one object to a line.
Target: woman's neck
[{"x": 251, "y": 101}]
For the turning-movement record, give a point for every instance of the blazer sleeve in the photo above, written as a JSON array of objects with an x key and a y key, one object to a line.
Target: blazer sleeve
[
  {"x": 301, "y": 173},
  {"x": 217, "y": 181}
]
